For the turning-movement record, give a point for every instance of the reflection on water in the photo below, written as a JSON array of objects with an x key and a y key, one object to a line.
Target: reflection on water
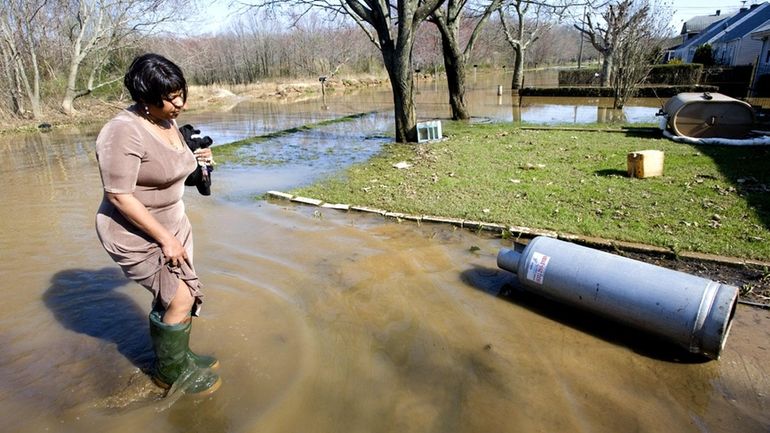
[
  {"x": 547, "y": 111},
  {"x": 324, "y": 321}
]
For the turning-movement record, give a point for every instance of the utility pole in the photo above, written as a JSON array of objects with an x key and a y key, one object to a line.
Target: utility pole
[{"x": 582, "y": 37}]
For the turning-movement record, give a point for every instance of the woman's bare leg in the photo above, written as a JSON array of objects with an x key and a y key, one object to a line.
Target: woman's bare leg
[{"x": 180, "y": 306}]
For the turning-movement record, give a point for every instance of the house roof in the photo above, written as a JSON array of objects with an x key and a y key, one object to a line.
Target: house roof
[
  {"x": 699, "y": 23},
  {"x": 761, "y": 32},
  {"x": 760, "y": 16},
  {"x": 710, "y": 32},
  {"x": 716, "y": 29}
]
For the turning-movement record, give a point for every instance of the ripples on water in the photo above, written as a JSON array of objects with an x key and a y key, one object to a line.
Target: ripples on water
[{"x": 324, "y": 321}]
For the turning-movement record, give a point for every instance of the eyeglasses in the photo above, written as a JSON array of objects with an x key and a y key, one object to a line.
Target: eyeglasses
[{"x": 175, "y": 100}]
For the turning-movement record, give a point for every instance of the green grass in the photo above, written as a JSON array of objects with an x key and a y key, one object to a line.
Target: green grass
[{"x": 712, "y": 199}]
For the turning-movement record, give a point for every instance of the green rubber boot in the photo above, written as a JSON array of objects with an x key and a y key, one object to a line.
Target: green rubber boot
[
  {"x": 202, "y": 361},
  {"x": 174, "y": 365}
]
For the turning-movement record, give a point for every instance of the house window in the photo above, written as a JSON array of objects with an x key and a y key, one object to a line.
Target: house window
[{"x": 767, "y": 56}]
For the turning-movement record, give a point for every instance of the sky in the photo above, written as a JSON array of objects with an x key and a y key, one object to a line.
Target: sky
[
  {"x": 686, "y": 9},
  {"x": 216, "y": 13}
]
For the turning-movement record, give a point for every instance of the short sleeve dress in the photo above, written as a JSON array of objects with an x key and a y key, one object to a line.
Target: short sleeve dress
[{"x": 133, "y": 159}]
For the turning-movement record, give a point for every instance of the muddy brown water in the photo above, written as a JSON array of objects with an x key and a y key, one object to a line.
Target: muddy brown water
[{"x": 325, "y": 321}]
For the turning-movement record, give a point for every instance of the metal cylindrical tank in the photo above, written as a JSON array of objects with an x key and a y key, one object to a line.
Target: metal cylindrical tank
[
  {"x": 706, "y": 115},
  {"x": 691, "y": 311}
]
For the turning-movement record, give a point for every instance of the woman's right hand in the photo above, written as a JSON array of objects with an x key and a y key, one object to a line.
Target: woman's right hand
[{"x": 173, "y": 252}]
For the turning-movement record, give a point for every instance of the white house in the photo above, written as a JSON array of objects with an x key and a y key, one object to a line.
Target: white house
[
  {"x": 729, "y": 38},
  {"x": 736, "y": 46}
]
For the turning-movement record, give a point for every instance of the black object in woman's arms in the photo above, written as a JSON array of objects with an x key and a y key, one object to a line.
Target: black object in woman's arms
[{"x": 201, "y": 177}]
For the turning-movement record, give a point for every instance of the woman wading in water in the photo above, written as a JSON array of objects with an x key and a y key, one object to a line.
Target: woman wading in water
[{"x": 143, "y": 161}]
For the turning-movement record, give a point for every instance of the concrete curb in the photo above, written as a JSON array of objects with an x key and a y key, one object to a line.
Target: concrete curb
[{"x": 527, "y": 232}]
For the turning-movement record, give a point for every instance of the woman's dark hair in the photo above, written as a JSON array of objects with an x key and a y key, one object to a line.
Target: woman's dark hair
[{"x": 151, "y": 77}]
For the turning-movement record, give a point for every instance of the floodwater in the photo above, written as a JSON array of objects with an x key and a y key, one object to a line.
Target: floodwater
[
  {"x": 324, "y": 321},
  {"x": 486, "y": 102}
]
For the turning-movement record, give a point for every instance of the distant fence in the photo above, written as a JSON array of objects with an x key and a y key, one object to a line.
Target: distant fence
[
  {"x": 670, "y": 75},
  {"x": 609, "y": 92},
  {"x": 733, "y": 81},
  {"x": 762, "y": 84}
]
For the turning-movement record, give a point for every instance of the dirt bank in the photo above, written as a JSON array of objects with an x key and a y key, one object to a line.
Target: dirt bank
[{"x": 201, "y": 98}]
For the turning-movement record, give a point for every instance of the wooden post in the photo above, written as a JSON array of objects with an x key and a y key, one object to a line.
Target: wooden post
[
  {"x": 322, "y": 79},
  {"x": 750, "y": 91}
]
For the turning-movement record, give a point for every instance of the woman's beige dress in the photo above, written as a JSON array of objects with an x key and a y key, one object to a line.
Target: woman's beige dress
[{"x": 133, "y": 159}]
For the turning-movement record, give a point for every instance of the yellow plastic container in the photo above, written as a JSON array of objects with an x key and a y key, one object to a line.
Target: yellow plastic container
[{"x": 645, "y": 163}]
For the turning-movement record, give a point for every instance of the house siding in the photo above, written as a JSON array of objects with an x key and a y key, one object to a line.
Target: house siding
[
  {"x": 764, "y": 59},
  {"x": 736, "y": 47},
  {"x": 743, "y": 51}
]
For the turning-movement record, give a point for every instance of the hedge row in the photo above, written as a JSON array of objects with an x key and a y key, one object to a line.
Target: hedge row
[
  {"x": 732, "y": 81},
  {"x": 675, "y": 75}
]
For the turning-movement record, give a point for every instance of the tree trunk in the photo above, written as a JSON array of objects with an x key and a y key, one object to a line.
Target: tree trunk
[
  {"x": 16, "y": 94},
  {"x": 607, "y": 64},
  {"x": 12, "y": 82},
  {"x": 448, "y": 23},
  {"x": 20, "y": 80},
  {"x": 399, "y": 67},
  {"x": 517, "y": 82},
  {"x": 34, "y": 97},
  {"x": 455, "y": 75},
  {"x": 67, "y": 104}
]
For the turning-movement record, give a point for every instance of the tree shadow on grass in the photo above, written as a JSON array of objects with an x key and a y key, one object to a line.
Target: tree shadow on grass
[
  {"x": 504, "y": 285},
  {"x": 86, "y": 301},
  {"x": 641, "y": 131},
  {"x": 746, "y": 167}
]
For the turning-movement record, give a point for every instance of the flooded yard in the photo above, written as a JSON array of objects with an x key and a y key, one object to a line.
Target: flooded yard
[{"x": 326, "y": 321}]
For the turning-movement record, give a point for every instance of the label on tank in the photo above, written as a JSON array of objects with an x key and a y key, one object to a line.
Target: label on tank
[{"x": 536, "y": 267}]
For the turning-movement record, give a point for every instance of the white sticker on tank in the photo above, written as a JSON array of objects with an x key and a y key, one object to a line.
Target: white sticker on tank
[{"x": 536, "y": 268}]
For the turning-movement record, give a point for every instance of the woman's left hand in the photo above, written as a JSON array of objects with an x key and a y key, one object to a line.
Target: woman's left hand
[{"x": 204, "y": 156}]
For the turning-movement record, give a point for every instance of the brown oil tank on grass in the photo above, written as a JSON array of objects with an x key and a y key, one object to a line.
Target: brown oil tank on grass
[{"x": 704, "y": 115}]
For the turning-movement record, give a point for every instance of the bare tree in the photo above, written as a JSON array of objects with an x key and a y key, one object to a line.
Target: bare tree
[
  {"x": 606, "y": 29},
  {"x": 426, "y": 54},
  {"x": 448, "y": 21},
  {"x": 256, "y": 46},
  {"x": 97, "y": 27},
  {"x": 530, "y": 20},
  {"x": 638, "y": 48},
  {"x": 394, "y": 37},
  {"x": 559, "y": 45},
  {"x": 18, "y": 45},
  {"x": 391, "y": 28},
  {"x": 11, "y": 82},
  {"x": 313, "y": 50}
]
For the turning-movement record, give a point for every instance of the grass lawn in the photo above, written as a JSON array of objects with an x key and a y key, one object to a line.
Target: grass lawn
[{"x": 711, "y": 199}]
